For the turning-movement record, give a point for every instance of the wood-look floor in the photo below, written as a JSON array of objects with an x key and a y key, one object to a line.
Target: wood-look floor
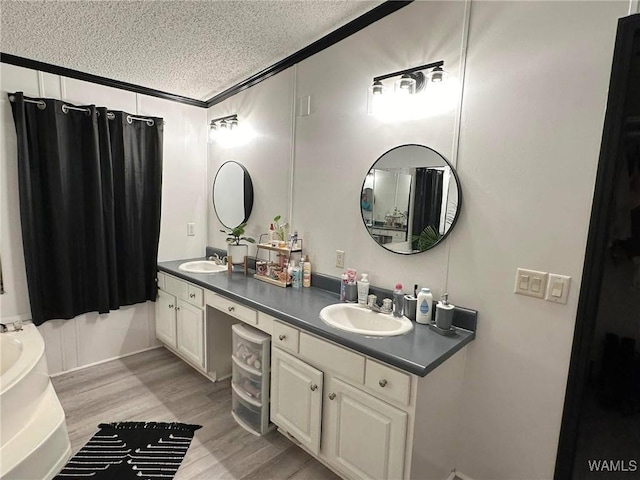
[{"x": 157, "y": 386}]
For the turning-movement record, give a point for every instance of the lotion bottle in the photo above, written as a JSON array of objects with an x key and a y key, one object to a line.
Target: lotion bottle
[
  {"x": 363, "y": 290},
  {"x": 306, "y": 272},
  {"x": 425, "y": 305}
]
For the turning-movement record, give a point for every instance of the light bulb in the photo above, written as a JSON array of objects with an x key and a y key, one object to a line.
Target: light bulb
[
  {"x": 437, "y": 75},
  {"x": 406, "y": 84},
  {"x": 377, "y": 88}
]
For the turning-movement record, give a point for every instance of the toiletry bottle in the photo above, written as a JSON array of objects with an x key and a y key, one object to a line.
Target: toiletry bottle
[
  {"x": 444, "y": 313},
  {"x": 363, "y": 290},
  {"x": 343, "y": 287},
  {"x": 306, "y": 272},
  {"x": 425, "y": 304},
  {"x": 292, "y": 264},
  {"x": 272, "y": 235},
  {"x": 351, "y": 275},
  {"x": 296, "y": 277},
  {"x": 398, "y": 300}
]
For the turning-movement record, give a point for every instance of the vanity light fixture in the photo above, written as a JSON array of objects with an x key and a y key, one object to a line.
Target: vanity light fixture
[
  {"x": 219, "y": 127},
  {"x": 412, "y": 80},
  {"x": 437, "y": 75}
]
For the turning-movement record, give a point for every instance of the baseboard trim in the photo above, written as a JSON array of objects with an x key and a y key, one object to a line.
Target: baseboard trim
[{"x": 82, "y": 367}]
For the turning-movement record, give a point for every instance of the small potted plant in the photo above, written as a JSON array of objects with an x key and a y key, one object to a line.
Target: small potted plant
[
  {"x": 236, "y": 250},
  {"x": 280, "y": 230}
]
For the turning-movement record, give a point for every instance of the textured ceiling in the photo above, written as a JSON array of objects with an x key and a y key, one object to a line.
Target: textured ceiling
[{"x": 192, "y": 48}]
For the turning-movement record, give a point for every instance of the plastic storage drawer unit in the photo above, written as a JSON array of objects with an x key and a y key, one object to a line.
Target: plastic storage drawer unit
[{"x": 250, "y": 381}]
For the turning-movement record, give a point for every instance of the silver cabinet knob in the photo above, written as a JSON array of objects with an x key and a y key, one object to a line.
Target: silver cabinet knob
[
  {"x": 313, "y": 387},
  {"x": 192, "y": 295},
  {"x": 332, "y": 396},
  {"x": 282, "y": 337},
  {"x": 382, "y": 383},
  {"x": 177, "y": 308},
  {"x": 171, "y": 305},
  {"x": 231, "y": 309}
]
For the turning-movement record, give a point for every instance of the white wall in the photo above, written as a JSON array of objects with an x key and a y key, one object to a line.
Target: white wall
[
  {"x": 537, "y": 81},
  {"x": 534, "y": 101},
  {"x": 266, "y": 112},
  {"x": 91, "y": 338}
]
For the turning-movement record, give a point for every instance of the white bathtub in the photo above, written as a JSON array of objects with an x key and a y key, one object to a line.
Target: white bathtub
[{"x": 34, "y": 443}]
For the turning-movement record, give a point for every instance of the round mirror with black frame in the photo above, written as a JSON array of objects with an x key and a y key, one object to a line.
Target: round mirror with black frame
[
  {"x": 410, "y": 199},
  {"x": 232, "y": 194}
]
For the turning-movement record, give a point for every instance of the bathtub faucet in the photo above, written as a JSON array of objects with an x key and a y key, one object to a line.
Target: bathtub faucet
[{"x": 11, "y": 327}]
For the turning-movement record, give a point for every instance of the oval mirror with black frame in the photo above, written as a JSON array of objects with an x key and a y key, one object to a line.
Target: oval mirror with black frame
[
  {"x": 410, "y": 199},
  {"x": 232, "y": 194}
]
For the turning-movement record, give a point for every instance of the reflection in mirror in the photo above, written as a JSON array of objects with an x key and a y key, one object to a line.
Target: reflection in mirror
[
  {"x": 410, "y": 199},
  {"x": 232, "y": 194}
]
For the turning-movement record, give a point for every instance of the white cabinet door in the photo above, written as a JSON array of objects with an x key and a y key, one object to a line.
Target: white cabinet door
[
  {"x": 190, "y": 332},
  {"x": 363, "y": 436},
  {"x": 296, "y": 398},
  {"x": 166, "y": 318}
]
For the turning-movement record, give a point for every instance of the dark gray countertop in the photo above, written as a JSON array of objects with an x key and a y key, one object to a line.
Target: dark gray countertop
[{"x": 418, "y": 352}]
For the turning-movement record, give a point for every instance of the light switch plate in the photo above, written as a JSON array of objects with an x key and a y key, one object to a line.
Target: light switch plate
[
  {"x": 531, "y": 283},
  {"x": 304, "y": 106},
  {"x": 558, "y": 288},
  {"x": 340, "y": 258}
]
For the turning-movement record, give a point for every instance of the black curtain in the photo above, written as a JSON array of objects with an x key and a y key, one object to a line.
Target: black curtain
[
  {"x": 90, "y": 193},
  {"x": 428, "y": 199}
]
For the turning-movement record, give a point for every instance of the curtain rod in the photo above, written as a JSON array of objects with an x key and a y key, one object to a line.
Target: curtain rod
[{"x": 65, "y": 108}]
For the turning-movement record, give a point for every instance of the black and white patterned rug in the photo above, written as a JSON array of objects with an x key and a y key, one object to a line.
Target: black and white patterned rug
[{"x": 131, "y": 450}]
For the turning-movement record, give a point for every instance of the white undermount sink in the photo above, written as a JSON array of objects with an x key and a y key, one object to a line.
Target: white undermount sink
[
  {"x": 356, "y": 319},
  {"x": 202, "y": 266}
]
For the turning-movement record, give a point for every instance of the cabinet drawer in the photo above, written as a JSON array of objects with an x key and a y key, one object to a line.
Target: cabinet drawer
[
  {"x": 195, "y": 295},
  {"x": 388, "y": 382},
  {"x": 248, "y": 381},
  {"x": 323, "y": 354},
  {"x": 232, "y": 308},
  {"x": 285, "y": 337},
  {"x": 247, "y": 414},
  {"x": 176, "y": 287},
  {"x": 265, "y": 322},
  {"x": 251, "y": 347}
]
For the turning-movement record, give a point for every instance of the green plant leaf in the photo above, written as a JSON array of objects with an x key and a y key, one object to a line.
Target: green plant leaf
[{"x": 427, "y": 239}]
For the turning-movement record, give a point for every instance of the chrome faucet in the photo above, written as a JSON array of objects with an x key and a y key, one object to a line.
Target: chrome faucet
[
  {"x": 375, "y": 308},
  {"x": 217, "y": 260}
]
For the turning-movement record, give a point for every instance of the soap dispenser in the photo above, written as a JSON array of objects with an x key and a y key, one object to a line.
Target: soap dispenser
[{"x": 444, "y": 313}]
